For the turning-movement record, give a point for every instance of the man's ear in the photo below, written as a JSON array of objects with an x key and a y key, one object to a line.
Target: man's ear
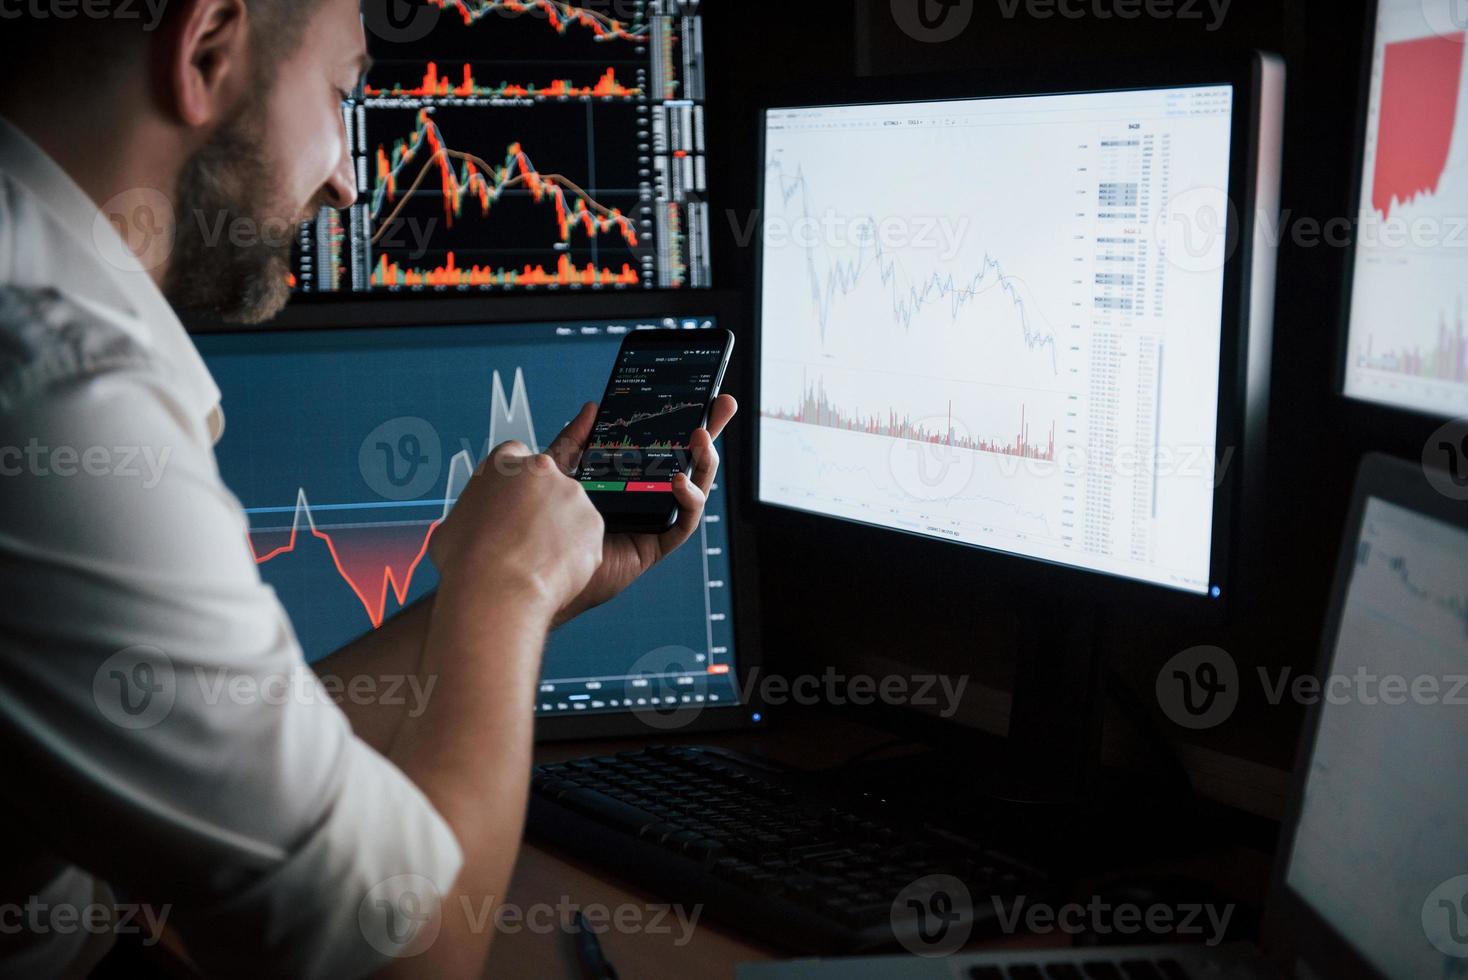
[{"x": 207, "y": 60}]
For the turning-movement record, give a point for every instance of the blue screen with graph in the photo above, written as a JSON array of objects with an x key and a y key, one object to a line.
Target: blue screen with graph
[{"x": 348, "y": 447}]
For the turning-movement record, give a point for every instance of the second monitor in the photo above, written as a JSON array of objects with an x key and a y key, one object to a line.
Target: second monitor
[{"x": 1016, "y": 324}]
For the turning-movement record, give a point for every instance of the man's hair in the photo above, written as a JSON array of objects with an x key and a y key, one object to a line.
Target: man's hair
[{"x": 62, "y": 46}]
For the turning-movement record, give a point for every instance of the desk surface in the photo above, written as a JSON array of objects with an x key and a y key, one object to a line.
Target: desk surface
[{"x": 549, "y": 886}]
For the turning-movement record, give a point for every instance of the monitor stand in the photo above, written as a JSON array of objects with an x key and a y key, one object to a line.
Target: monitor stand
[{"x": 1042, "y": 787}]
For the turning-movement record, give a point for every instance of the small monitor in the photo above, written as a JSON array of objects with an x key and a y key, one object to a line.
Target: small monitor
[
  {"x": 1406, "y": 344},
  {"x": 1378, "y": 859},
  {"x": 342, "y": 499},
  {"x": 1002, "y": 321}
]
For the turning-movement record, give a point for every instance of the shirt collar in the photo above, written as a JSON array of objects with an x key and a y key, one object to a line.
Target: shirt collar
[{"x": 111, "y": 275}]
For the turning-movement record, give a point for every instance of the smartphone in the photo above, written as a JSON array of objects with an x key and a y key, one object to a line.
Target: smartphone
[{"x": 660, "y": 393}]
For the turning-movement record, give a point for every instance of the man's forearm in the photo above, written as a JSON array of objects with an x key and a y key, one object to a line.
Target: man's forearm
[
  {"x": 470, "y": 754},
  {"x": 391, "y": 657}
]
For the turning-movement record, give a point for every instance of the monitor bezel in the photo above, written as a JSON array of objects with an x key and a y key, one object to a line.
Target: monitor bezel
[
  {"x": 1244, "y": 73},
  {"x": 1292, "y": 927},
  {"x": 477, "y": 310}
]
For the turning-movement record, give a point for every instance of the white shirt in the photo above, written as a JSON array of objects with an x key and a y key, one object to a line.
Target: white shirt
[{"x": 161, "y": 731}]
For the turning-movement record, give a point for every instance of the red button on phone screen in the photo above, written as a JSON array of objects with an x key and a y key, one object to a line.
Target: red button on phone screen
[{"x": 649, "y": 488}]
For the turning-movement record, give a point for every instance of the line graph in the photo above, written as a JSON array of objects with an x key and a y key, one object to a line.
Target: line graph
[
  {"x": 559, "y": 16},
  {"x": 672, "y": 408},
  {"x": 476, "y": 179},
  {"x": 908, "y": 296},
  {"x": 378, "y": 559}
]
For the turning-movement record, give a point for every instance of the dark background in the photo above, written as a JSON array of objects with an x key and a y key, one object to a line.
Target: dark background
[{"x": 827, "y": 592}]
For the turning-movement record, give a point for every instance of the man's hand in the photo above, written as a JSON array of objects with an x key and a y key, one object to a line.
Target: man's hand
[
  {"x": 521, "y": 526},
  {"x": 626, "y": 556}
]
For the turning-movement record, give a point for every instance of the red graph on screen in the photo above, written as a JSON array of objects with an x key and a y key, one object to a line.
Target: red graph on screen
[
  {"x": 371, "y": 559},
  {"x": 476, "y": 180},
  {"x": 434, "y": 85},
  {"x": 1420, "y": 80},
  {"x": 558, "y": 15},
  {"x": 379, "y": 559}
]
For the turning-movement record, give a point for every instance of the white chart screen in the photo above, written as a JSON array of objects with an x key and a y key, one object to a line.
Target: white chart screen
[
  {"x": 998, "y": 322},
  {"x": 1380, "y": 851},
  {"x": 1406, "y": 345}
]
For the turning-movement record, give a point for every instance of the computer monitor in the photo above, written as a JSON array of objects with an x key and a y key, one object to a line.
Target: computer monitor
[
  {"x": 1375, "y": 864},
  {"x": 1031, "y": 320},
  {"x": 348, "y": 445},
  {"x": 1406, "y": 345},
  {"x": 521, "y": 146}
]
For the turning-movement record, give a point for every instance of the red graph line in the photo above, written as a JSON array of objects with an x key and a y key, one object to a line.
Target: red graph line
[
  {"x": 1419, "y": 104},
  {"x": 478, "y": 179},
  {"x": 558, "y": 15},
  {"x": 357, "y": 579}
]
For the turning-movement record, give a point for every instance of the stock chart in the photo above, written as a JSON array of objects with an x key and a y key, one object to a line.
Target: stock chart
[
  {"x": 342, "y": 504},
  {"x": 1407, "y": 345},
  {"x": 522, "y": 144},
  {"x": 1014, "y": 351}
]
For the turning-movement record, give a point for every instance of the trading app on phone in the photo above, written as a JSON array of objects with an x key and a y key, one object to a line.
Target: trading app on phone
[{"x": 656, "y": 399}]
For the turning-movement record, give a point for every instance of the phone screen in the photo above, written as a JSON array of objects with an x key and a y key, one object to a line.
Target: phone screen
[{"x": 657, "y": 397}]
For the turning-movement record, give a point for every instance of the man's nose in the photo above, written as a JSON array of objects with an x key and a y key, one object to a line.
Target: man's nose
[{"x": 341, "y": 187}]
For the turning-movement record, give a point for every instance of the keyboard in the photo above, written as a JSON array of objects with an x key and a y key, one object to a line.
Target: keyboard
[
  {"x": 791, "y": 858},
  {"x": 1229, "y": 961}
]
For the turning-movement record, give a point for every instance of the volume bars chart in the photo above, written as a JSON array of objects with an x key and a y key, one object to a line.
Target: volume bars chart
[
  {"x": 507, "y": 145},
  {"x": 971, "y": 328}
]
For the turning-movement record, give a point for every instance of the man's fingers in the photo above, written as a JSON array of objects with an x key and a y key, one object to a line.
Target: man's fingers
[
  {"x": 691, "y": 502},
  {"x": 705, "y": 460},
  {"x": 722, "y": 410},
  {"x": 567, "y": 447}
]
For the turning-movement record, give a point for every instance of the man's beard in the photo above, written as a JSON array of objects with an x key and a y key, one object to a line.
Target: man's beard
[{"x": 232, "y": 249}]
